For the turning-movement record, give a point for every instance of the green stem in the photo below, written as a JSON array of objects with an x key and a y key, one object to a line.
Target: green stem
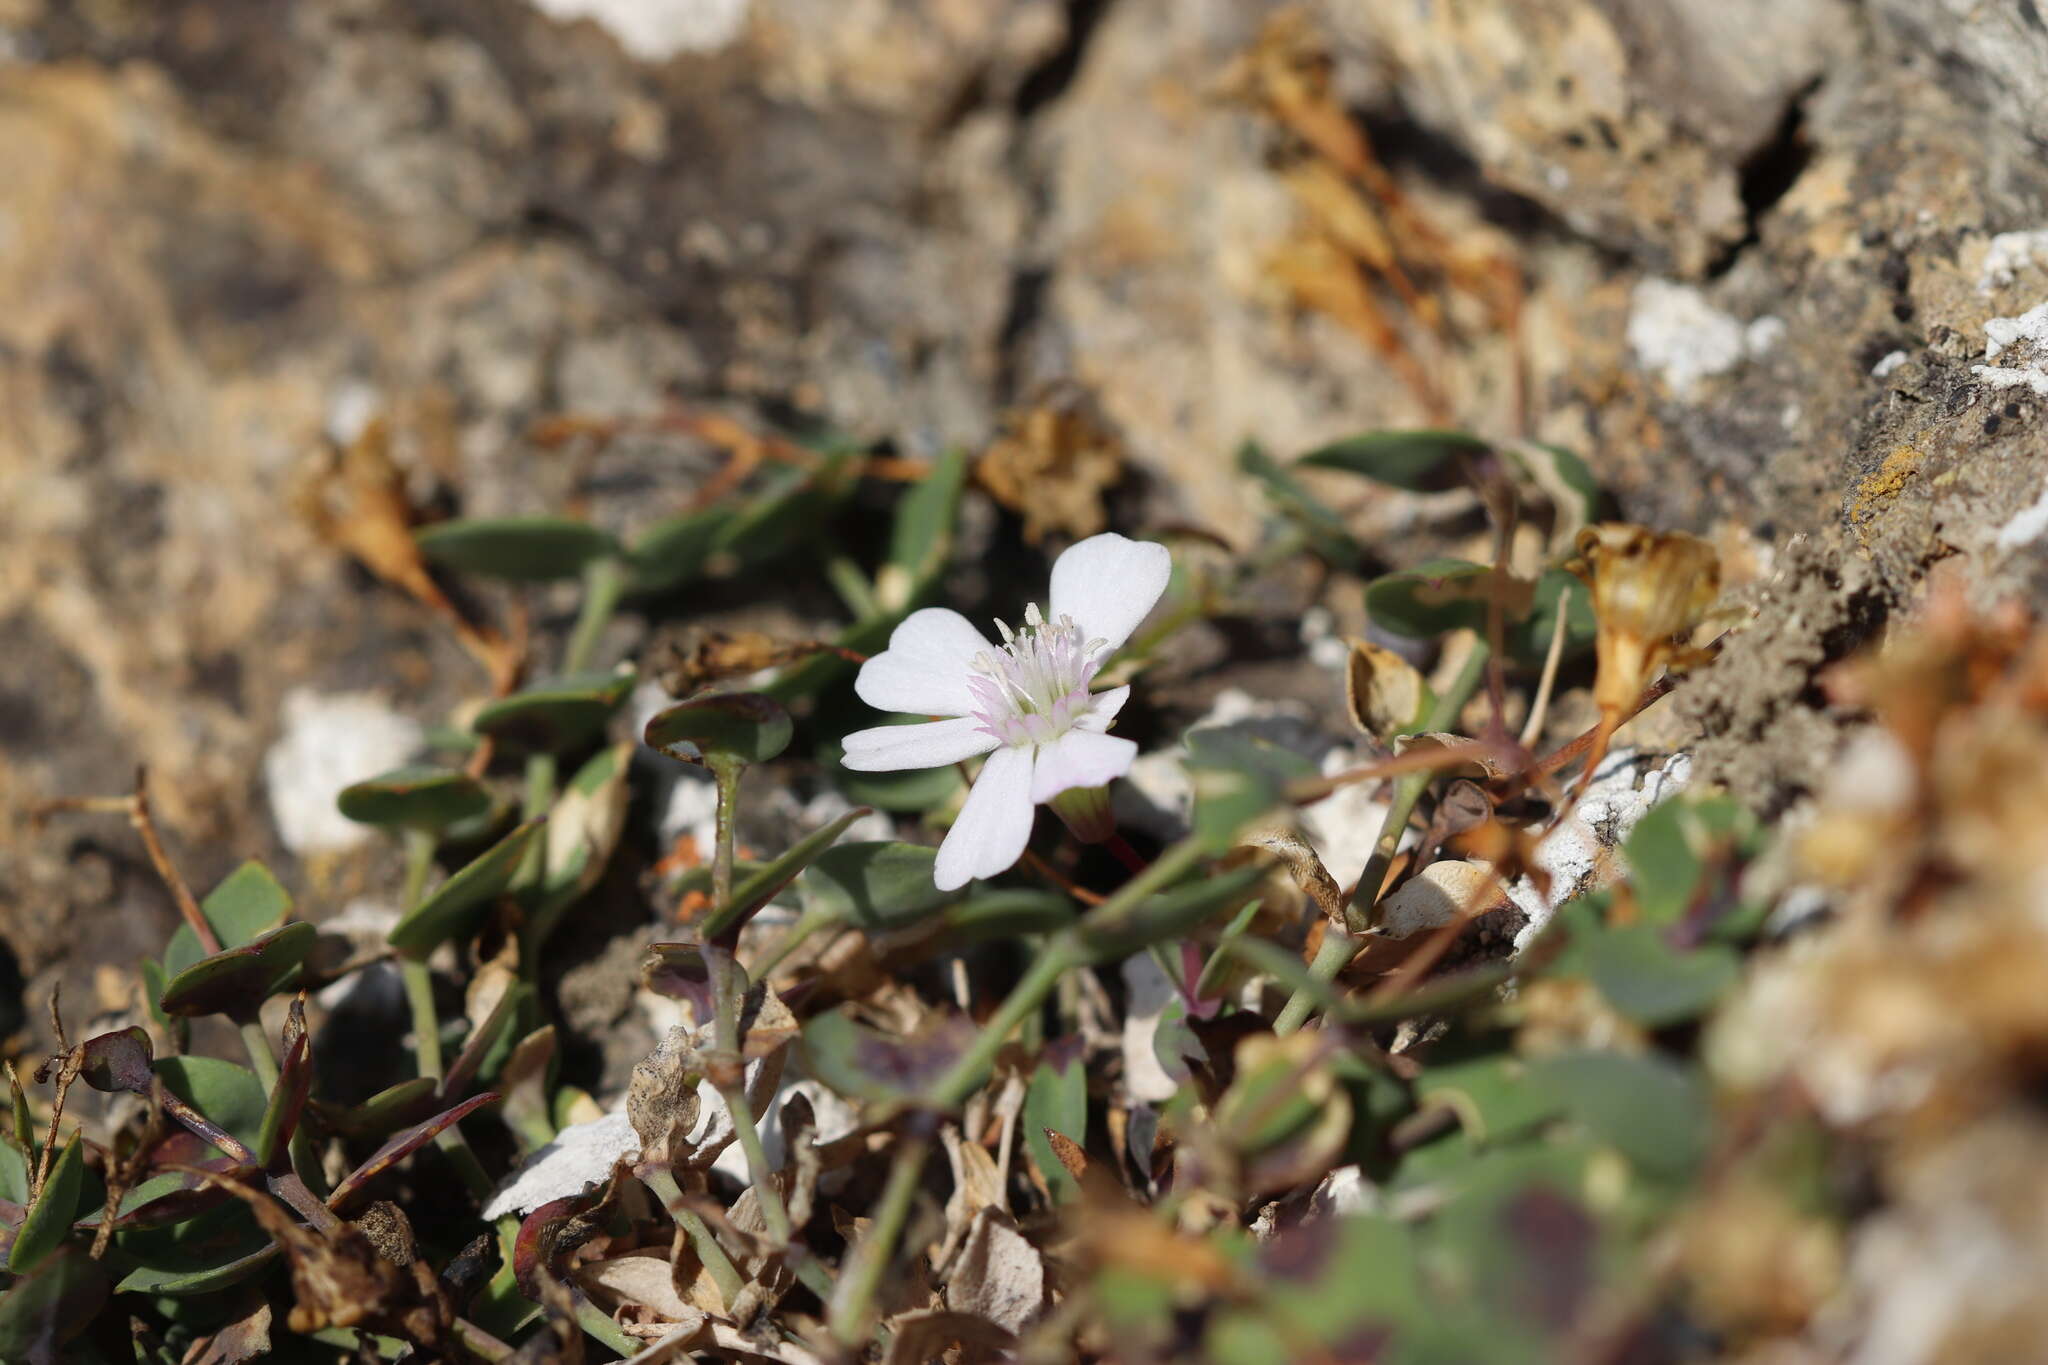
[
  {"x": 261, "y": 1059},
  {"x": 540, "y": 794},
  {"x": 1341, "y": 942},
  {"x": 1337, "y": 950},
  {"x": 727, "y": 775},
  {"x": 603, "y": 581},
  {"x": 1409, "y": 787},
  {"x": 426, "y": 1022},
  {"x": 723, "y": 1272},
  {"x": 793, "y": 938},
  {"x": 1027, "y": 996},
  {"x": 849, "y": 1309},
  {"x": 597, "y": 1323}
]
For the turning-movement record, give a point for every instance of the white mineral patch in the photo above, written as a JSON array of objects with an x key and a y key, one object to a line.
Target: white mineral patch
[
  {"x": 2001, "y": 334},
  {"x": 2027, "y": 525},
  {"x": 1890, "y": 362},
  {"x": 1622, "y": 793},
  {"x": 1684, "y": 339},
  {"x": 655, "y": 30},
  {"x": 330, "y": 741},
  {"x": 2008, "y": 254}
]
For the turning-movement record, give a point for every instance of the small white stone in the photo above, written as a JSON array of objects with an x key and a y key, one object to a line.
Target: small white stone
[
  {"x": 331, "y": 741},
  {"x": 1884, "y": 367},
  {"x": 655, "y": 30}
]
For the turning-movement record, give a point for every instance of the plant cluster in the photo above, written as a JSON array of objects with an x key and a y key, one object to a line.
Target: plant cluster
[{"x": 1383, "y": 1135}]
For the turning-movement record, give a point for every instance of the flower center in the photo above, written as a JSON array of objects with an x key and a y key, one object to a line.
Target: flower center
[{"x": 1035, "y": 687}]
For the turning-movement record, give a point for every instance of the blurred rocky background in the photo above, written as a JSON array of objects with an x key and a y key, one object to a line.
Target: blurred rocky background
[{"x": 1767, "y": 263}]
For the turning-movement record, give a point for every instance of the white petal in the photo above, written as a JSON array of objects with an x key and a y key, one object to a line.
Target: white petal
[
  {"x": 889, "y": 748},
  {"x": 924, "y": 670},
  {"x": 1107, "y": 583},
  {"x": 1102, "y": 709},
  {"x": 994, "y": 825},
  {"x": 1079, "y": 758}
]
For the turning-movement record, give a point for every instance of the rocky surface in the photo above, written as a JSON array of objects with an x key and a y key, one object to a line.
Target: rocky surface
[{"x": 1761, "y": 245}]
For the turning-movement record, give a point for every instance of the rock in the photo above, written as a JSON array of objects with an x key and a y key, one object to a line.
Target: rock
[{"x": 1633, "y": 122}]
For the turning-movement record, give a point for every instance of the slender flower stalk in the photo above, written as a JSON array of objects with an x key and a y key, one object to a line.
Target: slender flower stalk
[{"x": 1026, "y": 703}]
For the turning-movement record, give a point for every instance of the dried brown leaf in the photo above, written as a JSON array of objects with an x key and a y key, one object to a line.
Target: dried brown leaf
[{"x": 998, "y": 1275}]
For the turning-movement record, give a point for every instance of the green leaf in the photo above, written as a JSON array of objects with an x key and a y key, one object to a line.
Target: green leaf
[
  {"x": 458, "y": 903},
  {"x": 1645, "y": 978},
  {"x": 910, "y": 791},
  {"x": 247, "y": 902},
  {"x": 287, "y": 1103},
  {"x": 1451, "y": 594},
  {"x": 878, "y": 886},
  {"x": 1439, "y": 596},
  {"x": 1237, "y": 778},
  {"x": 1333, "y": 1283},
  {"x": 526, "y": 549},
  {"x": 1324, "y": 529},
  {"x": 922, "y": 535},
  {"x": 237, "y": 981},
  {"x": 1057, "y": 1098},
  {"x": 1653, "y": 1111},
  {"x": 1495, "y": 1097},
  {"x": 49, "y": 1219},
  {"x": 1419, "y": 461},
  {"x": 1566, "y": 482},
  {"x": 227, "y": 1094},
  {"x": 401, "y": 1145},
  {"x": 384, "y": 1112},
  {"x": 1671, "y": 848},
  {"x": 118, "y": 1061},
  {"x": 198, "y": 1256},
  {"x": 558, "y": 713},
  {"x": 673, "y": 552},
  {"x": 786, "y": 513},
  {"x": 43, "y": 1311},
  {"x": 14, "y": 1173},
  {"x": 766, "y": 883},
  {"x": 418, "y": 797},
  {"x": 1168, "y": 915},
  {"x": 886, "y": 1069},
  {"x": 584, "y": 827},
  {"x": 1530, "y": 640},
  {"x": 1002, "y": 913},
  {"x": 741, "y": 727}
]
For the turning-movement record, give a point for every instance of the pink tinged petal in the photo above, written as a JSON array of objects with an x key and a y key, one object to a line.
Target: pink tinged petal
[
  {"x": 994, "y": 825},
  {"x": 1102, "y": 709},
  {"x": 1079, "y": 758},
  {"x": 1108, "y": 583},
  {"x": 926, "y": 668},
  {"x": 889, "y": 748}
]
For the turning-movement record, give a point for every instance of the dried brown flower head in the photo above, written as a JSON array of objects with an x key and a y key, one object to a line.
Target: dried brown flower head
[{"x": 1650, "y": 591}]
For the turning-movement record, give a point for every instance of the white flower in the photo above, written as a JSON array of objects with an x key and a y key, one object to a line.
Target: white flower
[{"x": 1025, "y": 704}]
